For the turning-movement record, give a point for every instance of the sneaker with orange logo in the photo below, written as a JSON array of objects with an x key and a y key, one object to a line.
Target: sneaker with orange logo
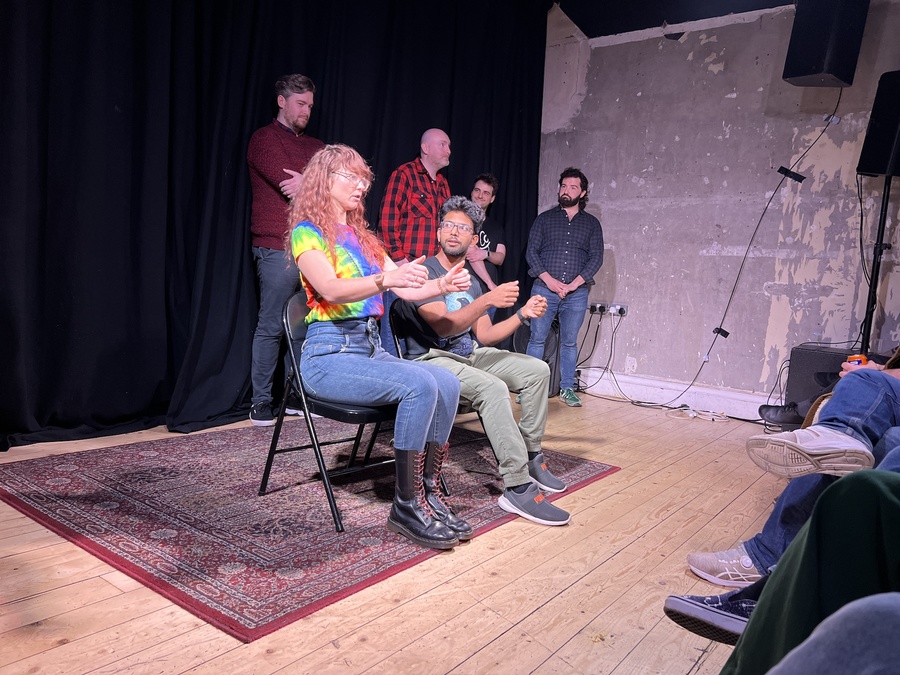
[
  {"x": 532, "y": 505},
  {"x": 541, "y": 476}
]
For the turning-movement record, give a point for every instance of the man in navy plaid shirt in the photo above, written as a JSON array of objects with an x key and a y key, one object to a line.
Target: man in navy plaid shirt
[{"x": 565, "y": 251}]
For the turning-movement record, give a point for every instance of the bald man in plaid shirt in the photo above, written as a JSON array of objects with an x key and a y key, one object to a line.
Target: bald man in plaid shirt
[
  {"x": 410, "y": 210},
  {"x": 413, "y": 199}
]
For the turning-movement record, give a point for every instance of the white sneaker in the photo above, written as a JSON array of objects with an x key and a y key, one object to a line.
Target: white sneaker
[
  {"x": 732, "y": 568},
  {"x": 816, "y": 449}
]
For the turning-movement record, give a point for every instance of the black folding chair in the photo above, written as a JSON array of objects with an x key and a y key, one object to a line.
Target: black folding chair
[
  {"x": 406, "y": 321},
  {"x": 293, "y": 316}
]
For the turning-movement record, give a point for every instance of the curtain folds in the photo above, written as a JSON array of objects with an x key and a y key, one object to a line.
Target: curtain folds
[{"x": 129, "y": 293}]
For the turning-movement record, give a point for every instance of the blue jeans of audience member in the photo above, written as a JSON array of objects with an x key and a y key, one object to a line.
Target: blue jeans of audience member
[
  {"x": 278, "y": 279},
  {"x": 343, "y": 361},
  {"x": 865, "y": 405},
  {"x": 571, "y": 311}
]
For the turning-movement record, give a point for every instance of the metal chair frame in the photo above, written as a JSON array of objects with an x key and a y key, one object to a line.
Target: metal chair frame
[{"x": 293, "y": 319}]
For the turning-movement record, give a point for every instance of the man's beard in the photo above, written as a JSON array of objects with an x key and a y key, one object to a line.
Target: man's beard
[
  {"x": 568, "y": 202},
  {"x": 451, "y": 252}
]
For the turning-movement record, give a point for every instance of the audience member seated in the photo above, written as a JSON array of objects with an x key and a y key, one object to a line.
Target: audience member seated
[
  {"x": 794, "y": 412},
  {"x": 344, "y": 270},
  {"x": 854, "y": 431},
  {"x": 831, "y": 606},
  {"x": 454, "y": 333}
]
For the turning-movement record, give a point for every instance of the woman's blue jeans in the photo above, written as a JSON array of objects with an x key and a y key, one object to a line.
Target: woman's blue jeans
[
  {"x": 865, "y": 405},
  {"x": 343, "y": 361}
]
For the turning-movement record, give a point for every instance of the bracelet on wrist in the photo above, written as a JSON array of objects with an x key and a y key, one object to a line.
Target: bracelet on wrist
[
  {"x": 442, "y": 285},
  {"x": 379, "y": 281},
  {"x": 525, "y": 320}
]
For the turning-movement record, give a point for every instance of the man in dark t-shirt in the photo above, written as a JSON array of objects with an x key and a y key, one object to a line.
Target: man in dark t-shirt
[
  {"x": 489, "y": 251},
  {"x": 452, "y": 331}
]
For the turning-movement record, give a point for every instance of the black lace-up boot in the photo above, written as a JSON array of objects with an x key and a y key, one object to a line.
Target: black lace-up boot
[
  {"x": 435, "y": 456},
  {"x": 411, "y": 515}
]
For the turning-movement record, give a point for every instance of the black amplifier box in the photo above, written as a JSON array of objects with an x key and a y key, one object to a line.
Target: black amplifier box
[{"x": 807, "y": 360}]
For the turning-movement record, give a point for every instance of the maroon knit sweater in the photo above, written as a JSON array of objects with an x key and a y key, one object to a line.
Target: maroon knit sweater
[{"x": 272, "y": 149}]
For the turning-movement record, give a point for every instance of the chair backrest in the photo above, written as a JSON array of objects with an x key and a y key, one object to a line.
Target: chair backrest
[
  {"x": 406, "y": 322},
  {"x": 294, "y": 317},
  {"x": 815, "y": 410}
]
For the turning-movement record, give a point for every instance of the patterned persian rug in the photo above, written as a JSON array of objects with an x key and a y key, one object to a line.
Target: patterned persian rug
[{"x": 183, "y": 517}]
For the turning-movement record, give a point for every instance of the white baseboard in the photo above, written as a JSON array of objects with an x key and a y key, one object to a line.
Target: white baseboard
[{"x": 731, "y": 402}]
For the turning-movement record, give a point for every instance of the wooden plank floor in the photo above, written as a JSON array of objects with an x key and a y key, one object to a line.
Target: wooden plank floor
[{"x": 586, "y": 598}]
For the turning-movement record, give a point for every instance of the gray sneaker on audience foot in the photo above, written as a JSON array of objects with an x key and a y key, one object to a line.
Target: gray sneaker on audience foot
[
  {"x": 815, "y": 449},
  {"x": 732, "y": 568},
  {"x": 541, "y": 476},
  {"x": 533, "y": 506}
]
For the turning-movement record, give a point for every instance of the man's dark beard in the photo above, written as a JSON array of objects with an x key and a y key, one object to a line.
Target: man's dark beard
[
  {"x": 450, "y": 253},
  {"x": 568, "y": 202}
]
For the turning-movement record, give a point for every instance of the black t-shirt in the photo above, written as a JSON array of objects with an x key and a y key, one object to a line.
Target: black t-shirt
[{"x": 491, "y": 234}]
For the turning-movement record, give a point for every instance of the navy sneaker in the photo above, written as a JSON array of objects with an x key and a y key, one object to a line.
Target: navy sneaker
[
  {"x": 261, "y": 414},
  {"x": 294, "y": 405},
  {"x": 721, "y": 618}
]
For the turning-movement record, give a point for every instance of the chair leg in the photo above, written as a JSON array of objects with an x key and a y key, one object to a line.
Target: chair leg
[
  {"x": 356, "y": 443},
  {"x": 320, "y": 461},
  {"x": 375, "y": 430},
  {"x": 273, "y": 446}
]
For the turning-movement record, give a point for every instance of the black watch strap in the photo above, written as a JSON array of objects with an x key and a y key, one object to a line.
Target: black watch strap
[{"x": 522, "y": 317}]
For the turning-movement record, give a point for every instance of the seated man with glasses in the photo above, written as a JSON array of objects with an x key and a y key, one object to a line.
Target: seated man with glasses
[{"x": 454, "y": 331}]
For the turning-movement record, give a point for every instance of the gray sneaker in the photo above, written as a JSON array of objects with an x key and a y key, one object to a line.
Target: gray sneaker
[
  {"x": 816, "y": 449},
  {"x": 532, "y": 506},
  {"x": 732, "y": 568},
  {"x": 541, "y": 476}
]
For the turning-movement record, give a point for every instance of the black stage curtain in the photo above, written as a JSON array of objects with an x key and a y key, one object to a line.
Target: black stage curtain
[{"x": 129, "y": 294}]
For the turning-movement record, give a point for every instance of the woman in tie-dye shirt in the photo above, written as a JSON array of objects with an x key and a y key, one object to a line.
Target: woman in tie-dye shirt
[{"x": 344, "y": 270}]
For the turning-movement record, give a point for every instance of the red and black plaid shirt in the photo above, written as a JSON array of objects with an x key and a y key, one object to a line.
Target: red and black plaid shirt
[{"x": 410, "y": 211}]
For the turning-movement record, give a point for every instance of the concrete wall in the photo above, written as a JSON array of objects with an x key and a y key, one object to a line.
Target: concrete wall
[{"x": 681, "y": 140}]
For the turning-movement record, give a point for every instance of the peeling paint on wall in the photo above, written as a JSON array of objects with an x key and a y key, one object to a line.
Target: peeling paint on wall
[{"x": 682, "y": 153}]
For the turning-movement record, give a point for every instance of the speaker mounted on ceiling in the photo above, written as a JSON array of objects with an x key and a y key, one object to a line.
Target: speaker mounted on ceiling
[{"x": 825, "y": 42}]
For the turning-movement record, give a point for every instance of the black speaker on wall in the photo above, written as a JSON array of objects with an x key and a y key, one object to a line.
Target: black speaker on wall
[
  {"x": 880, "y": 154},
  {"x": 825, "y": 42}
]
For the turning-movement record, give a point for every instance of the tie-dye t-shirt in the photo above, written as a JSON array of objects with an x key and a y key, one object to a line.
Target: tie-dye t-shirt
[{"x": 348, "y": 261}]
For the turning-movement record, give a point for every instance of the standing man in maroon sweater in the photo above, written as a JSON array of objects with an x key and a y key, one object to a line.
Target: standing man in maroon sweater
[
  {"x": 411, "y": 208},
  {"x": 276, "y": 156}
]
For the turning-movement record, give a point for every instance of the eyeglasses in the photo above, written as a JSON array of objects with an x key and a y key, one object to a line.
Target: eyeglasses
[
  {"x": 353, "y": 179},
  {"x": 462, "y": 228}
]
